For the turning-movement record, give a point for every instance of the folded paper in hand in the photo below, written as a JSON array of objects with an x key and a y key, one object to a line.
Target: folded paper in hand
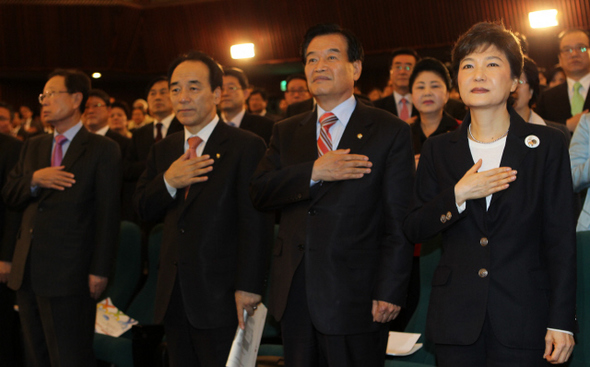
[
  {"x": 402, "y": 344},
  {"x": 110, "y": 320},
  {"x": 246, "y": 342}
]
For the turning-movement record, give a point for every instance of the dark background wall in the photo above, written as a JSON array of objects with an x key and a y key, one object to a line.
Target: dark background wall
[{"x": 130, "y": 42}]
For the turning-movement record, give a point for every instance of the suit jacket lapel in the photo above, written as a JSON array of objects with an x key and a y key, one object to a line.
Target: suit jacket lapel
[
  {"x": 306, "y": 136},
  {"x": 515, "y": 149}
]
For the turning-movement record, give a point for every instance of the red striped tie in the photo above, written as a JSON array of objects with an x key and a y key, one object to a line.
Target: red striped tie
[
  {"x": 325, "y": 140},
  {"x": 193, "y": 143}
]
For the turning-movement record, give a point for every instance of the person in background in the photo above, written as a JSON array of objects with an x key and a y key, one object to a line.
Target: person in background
[
  {"x": 557, "y": 76},
  {"x": 118, "y": 118},
  {"x": 526, "y": 95},
  {"x": 504, "y": 291}
]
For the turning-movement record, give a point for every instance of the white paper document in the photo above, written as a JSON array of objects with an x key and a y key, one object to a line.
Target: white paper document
[
  {"x": 110, "y": 320},
  {"x": 402, "y": 344},
  {"x": 246, "y": 342}
]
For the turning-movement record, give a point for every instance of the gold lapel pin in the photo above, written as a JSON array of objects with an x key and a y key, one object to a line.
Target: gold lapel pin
[
  {"x": 218, "y": 155},
  {"x": 359, "y": 136}
]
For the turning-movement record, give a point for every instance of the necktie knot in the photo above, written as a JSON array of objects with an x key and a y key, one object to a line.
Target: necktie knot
[
  {"x": 327, "y": 120},
  {"x": 60, "y": 139},
  {"x": 193, "y": 142},
  {"x": 159, "y": 135}
]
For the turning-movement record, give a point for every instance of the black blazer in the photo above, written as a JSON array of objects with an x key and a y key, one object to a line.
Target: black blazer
[
  {"x": 214, "y": 242},
  {"x": 554, "y": 104},
  {"x": 349, "y": 231},
  {"x": 300, "y": 107},
  {"x": 141, "y": 142},
  {"x": 526, "y": 240},
  {"x": 119, "y": 139},
  {"x": 66, "y": 235},
  {"x": 388, "y": 104},
  {"x": 258, "y": 125},
  {"x": 9, "y": 218}
]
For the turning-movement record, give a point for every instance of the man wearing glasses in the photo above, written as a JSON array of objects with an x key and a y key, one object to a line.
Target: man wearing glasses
[
  {"x": 567, "y": 102},
  {"x": 400, "y": 102},
  {"x": 68, "y": 183},
  {"x": 234, "y": 94}
]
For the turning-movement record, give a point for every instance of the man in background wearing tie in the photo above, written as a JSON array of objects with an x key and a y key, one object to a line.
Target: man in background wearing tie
[
  {"x": 212, "y": 262},
  {"x": 400, "y": 102},
  {"x": 341, "y": 175},
  {"x": 68, "y": 184},
  {"x": 567, "y": 102}
]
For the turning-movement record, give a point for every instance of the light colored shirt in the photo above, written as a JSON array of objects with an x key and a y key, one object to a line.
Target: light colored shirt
[
  {"x": 237, "y": 120},
  {"x": 165, "y": 125},
  {"x": 204, "y": 134},
  {"x": 398, "y": 102},
  {"x": 534, "y": 118},
  {"x": 102, "y": 131},
  {"x": 585, "y": 81},
  {"x": 69, "y": 134}
]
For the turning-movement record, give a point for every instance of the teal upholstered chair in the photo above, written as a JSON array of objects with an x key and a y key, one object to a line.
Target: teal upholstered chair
[
  {"x": 581, "y": 355},
  {"x": 429, "y": 258},
  {"x": 129, "y": 349}
]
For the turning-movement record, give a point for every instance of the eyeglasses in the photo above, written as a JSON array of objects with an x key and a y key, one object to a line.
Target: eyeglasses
[
  {"x": 297, "y": 91},
  {"x": 96, "y": 105},
  {"x": 403, "y": 67},
  {"x": 570, "y": 50},
  {"x": 520, "y": 81},
  {"x": 45, "y": 95},
  {"x": 230, "y": 88}
]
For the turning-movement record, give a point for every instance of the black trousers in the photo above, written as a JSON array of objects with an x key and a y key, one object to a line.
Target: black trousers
[
  {"x": 306, "y": 347},
  {"x": 487, "y": 351},
  {"x": 57, "y": 331},
  {"x": 10, "y": 348},
  {"x": 192, "y": 347}
]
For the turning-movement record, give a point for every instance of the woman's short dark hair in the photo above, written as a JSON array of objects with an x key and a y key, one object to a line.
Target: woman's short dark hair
[
  {"x": 432, "y": 65},
  {"x": 215, "y": 70},
  {"x": 76, "y": 82},
  {"x": 483, "y": 35},
  {"x": 122, "y": 105},
  {"x": 531, "y": 72},
  {"x": 355, "y": 49}
]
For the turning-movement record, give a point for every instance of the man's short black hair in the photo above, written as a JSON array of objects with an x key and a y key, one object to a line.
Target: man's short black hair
[
  {"x": 570, "y": 31},
  {"x": 238, "y": 74},
  {"x": 122, "y": 105},
  {"x": 76, "y": 82},
  {"x": 260, "y": 92},
  {"x": 215, "y": 70},
  {"x": 404, "y": 51},
  {"x": 355, "y": 49},
  {"x": 161, "y": 78},
  {"x": 9, "y": 108},
  {"x": 99, "y": 93}
]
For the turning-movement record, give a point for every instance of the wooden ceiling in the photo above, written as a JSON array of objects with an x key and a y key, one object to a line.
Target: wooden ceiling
[{"x": 131, "y": 40}]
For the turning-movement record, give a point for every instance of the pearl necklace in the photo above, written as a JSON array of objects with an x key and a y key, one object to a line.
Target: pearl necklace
[{"x": 490, "y": 142}]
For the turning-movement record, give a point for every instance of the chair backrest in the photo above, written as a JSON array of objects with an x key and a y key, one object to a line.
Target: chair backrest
[
  {"x": 125, "y": 279},
  {"x": 142, "y": 306},
  {"x": 430, "y": 254},
  {"x": 581, "y": 355}
]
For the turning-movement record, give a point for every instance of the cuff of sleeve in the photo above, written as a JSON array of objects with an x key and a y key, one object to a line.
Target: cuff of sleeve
[
  {"x": 171, "y": 190},
  {"x": 561, "y": 331},
  {"x": 461, "y": 208}
]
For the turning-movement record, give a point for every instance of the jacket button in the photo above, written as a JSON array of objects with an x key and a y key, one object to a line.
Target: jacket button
[
  {"x": 40, "y": 209},
  {"x": 182, "y": 230},
  {"x": 31, "y": 231},
  {"x": 483, "y": 241},
  {"x": 449, "y": 216},
  {"x": 312, "y": 212},
  {"x": 300, "y": 247},
  {"x": 443, "y": 218},
  {"x": 482, "y": 273}
]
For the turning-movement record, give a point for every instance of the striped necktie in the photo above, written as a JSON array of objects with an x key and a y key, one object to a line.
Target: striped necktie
[{"x": 325, "y": 140}]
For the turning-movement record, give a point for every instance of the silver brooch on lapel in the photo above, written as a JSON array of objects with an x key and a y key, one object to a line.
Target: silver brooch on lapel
[{"x": 532, "y": 141}]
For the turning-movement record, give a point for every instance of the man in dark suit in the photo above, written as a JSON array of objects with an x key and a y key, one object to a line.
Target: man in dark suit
[
  {"x": 68, "y": 185},
  {"x": 212, "y": 262},
  {"x": 9, "y": 223},
  {"x": 567, "y": 102},
  {"x": 160, "y": 108},
  {"x": 341, "y": 263},
  {"x": 257, "y": 102},
  {"x": 30, "y": 126},
  {"x": 400, "y": 101},
  {"x": 233, "y": 105},
  {"x": 96, "y": 118}
]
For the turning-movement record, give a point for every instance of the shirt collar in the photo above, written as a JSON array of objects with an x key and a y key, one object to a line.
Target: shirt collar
[
  {"x": 102, "y": 131},
  {"x": 343, "y": 111},
  {"x": 398, "y": 97},
  {"x": 165, "y": 121},
  {"x": 534, "y": 118},
  {"x": 70, "y": 133},
  {"x": 204, "y": 133},
  {"x": 237, "y": 118},
  {"x": 585, "y": 81}
]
